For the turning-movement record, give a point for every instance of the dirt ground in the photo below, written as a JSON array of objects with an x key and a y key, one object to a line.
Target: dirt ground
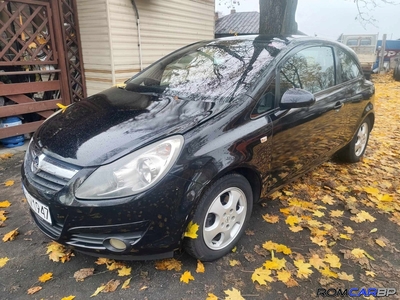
[{"x": 350, "y": 207}]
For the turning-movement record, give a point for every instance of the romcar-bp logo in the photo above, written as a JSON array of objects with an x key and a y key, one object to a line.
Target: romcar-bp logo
[{"x": 355, "y": 292}]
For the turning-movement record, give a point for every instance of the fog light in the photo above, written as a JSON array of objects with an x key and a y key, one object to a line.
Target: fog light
[{"x": 117, "y": 244}]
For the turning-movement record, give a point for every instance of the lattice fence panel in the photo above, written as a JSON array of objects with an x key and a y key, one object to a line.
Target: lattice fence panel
[
  {"x": 26, "y": 33},
  {"x": 73, "y": 50}
]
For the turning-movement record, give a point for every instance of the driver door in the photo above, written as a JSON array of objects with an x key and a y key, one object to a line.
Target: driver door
[{"x": 304, "y": 137}]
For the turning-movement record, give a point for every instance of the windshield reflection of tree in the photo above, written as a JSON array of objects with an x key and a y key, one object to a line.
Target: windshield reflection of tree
[{"x": 209, "y": 72}]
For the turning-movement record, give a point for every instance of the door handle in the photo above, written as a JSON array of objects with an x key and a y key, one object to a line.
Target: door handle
[{"x": 338, "y": 105}]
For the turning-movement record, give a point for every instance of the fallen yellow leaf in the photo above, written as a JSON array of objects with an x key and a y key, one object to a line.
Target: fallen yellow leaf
[
  {"x": 336, "y": 213},
  {"x": 373, "y": 230},
  {"x": 348, "y": 229},
  {"x": 68, "y": 298},
  {"x": 126, "y": 283},
  {"x": 3, "y": 261},
  {"x": 98, "y": 290},
  {"x": 291, "y": 220},
  {"x": 344, "y": 276},
  {"x": 362, "y": 216},
  {"x": 9, "y": 183},
  {"x": 234, "y": 262},
  {"x": 318, "y": 213},
  {"x": 233, "y": 295},
  {"x": 186, "y": 277},
  {"x": 358, "y": 253},
  {"x": 275, "y": 263},
  {"x": 303, "y": 268},
  {"x": 370, "y": 273},
  {"x": 295, "y": 228},
  {"x": 271, "y": 218},
  {"x": 327, "y": 272},
  {"x": 262, "y": 276},
  {"x": 211, "y": 296},
  {"x": 168, "y": 264},
  {"x": 234, "y": 249},
  {"x": 46, "y": 277},
  {"x": 345, "y": 236},
  {"x": 124, "y": 271},
  {"x": 6, "y": 155},
  {"x": 10, "y": 236},
  {"x": 5, "y": 204},
  {"x": 316, "y": 261},
  {"x": 372, "y": 191},
  {"x": 380, "y": 242},
  {"x": 319, "y": 240},
  {"x": 62, "y": 107},
  {"x": 103, "y": 261},
  {"x": 333, "y": 260},
  {"x": 284, "y": 275},
  {"x": 191, "y": 230},
  {"x": 284, "y": 249},
  {"x": 200, "y": 267}
]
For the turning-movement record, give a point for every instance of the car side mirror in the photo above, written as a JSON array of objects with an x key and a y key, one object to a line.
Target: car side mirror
[{"x": 295, "y": 98}]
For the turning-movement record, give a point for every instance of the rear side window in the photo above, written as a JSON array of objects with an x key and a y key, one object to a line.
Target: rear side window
[
  {"x": 352, "y": 42},
  {"x": 311, "y": 69},
  {"x": 365, "y": 42},
  {"x": 349, "y": 66}
]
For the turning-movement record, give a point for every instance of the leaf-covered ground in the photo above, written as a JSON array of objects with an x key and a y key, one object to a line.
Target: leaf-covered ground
[{"x": 335, "y": 227}]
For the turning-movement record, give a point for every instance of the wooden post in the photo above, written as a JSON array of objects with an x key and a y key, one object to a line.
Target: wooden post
[
  {"x": 382, "y": 55},
  {"x": 57, "y": 20}
]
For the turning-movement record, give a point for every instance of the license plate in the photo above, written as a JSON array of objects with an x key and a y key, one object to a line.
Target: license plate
[{"x": 43, "y": 211}]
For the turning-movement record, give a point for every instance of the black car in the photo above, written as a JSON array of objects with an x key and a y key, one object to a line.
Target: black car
[{"x": 196, "y": 138}]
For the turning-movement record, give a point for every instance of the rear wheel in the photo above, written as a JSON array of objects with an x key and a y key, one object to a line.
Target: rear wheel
[
  {"x": 396, "y": 73},
  {"x": 356, "y": 148},
  {"x": 222, "y": 215}
]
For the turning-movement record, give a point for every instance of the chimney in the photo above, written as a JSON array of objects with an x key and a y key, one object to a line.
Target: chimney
[
  {"x": 216, "y": 17},
  {"x": 233, "y": 11}
]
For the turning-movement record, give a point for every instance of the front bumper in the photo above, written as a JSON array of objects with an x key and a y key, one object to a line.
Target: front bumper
[{"x": 151, "y": 224}]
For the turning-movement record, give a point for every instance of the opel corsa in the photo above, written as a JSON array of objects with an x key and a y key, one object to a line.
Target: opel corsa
[{"x": 196, "y": 138}]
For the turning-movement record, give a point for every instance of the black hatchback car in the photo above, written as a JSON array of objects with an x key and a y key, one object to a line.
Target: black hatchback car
[{"x": 196, "y": 138}]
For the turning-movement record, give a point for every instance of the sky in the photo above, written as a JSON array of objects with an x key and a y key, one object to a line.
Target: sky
[{"x": 330, "y": 18}]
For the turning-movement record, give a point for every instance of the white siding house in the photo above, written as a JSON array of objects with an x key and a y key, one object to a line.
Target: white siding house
[{"x": 110, "y": 36}]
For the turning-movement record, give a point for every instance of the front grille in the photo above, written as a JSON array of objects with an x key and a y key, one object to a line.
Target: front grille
[
  {"x": 95, "y": 240},
  {"x": 45, "y": 173},
  {"x": 53, "y": 231}
]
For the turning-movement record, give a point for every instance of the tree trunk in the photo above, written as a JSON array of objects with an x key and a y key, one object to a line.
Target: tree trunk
[{"x": 278, "y": 17}]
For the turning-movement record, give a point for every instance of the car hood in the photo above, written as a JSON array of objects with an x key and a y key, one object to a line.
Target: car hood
[{"x": 111, "y": 124}]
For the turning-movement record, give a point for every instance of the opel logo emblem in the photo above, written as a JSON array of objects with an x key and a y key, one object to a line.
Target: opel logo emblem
[{"x": 36, "y": 162}]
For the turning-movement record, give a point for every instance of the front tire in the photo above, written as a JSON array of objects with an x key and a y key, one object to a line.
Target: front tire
[
  {"x": 222, "y": 216},
  {"x": 355, "y": 149}
]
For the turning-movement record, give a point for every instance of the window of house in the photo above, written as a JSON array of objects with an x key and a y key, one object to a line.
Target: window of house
[
  {"x": 349, "y": 66},
  {"x": 311, "y": 69}
]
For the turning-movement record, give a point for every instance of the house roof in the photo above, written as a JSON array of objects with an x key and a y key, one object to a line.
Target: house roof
[{"x": 239, "y": 23}]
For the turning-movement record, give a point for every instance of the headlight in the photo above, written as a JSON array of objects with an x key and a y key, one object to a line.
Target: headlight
[{"x": 132, "y": 173}]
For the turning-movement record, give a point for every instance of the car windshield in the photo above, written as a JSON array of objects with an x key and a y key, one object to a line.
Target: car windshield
[{"x": 208, "y": 71}]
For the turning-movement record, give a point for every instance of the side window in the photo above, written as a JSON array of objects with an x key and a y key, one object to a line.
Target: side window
[
  {"x": 349, "y": 66},
  {"x": 352, "y": 42},
  {"x": 266, "y": 102},
  {"x": 311, "y": 69}
]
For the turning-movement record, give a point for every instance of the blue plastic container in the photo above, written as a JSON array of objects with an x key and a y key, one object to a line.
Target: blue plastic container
[{"x": 14, "y": 141}]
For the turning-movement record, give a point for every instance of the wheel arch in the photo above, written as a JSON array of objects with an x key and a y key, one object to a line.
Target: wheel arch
[{"x": 251, "y": 175}]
